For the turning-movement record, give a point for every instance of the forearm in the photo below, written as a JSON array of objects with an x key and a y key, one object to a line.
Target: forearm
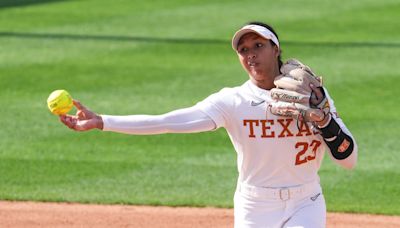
[
  {"x": 341, "y": 143},
  {"x": 188, "y": 120}
]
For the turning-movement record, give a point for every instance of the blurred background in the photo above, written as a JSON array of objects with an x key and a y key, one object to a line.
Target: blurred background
[{"x": 150, "y": 57}]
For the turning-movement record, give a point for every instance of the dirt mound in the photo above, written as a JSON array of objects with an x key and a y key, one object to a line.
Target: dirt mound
[{"x": 32, "y": 214}]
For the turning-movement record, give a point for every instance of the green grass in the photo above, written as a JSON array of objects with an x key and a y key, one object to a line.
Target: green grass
[{"x": 184, "y": 56}]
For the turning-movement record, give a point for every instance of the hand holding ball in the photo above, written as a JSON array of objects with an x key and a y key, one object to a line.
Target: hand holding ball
[{"x": 59, "y": 102}]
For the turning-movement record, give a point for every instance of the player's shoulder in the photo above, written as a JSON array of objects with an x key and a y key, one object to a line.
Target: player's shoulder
[
  {"x": 229, "y": 91},
  {"x": 235, "y": 90},
  {"x": 225, "y": 96}
]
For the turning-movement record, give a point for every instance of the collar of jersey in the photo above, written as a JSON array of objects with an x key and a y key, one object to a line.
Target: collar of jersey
[{"x": 258, "y": 92}]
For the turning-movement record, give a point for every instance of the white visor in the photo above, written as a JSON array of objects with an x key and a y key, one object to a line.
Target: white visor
[{"x": 260, "y": 30}]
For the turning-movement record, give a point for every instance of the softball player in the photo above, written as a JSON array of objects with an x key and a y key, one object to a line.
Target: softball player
[{"x": 278, "y": 158}]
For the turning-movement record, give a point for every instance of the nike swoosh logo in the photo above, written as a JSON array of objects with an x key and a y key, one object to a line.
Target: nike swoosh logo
[
  {"x": 253, "y": 103},
  {"x": 313, "y": 198}
]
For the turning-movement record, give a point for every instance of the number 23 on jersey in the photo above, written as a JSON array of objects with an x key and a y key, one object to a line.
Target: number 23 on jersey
[{"x": 301, "y": 156}]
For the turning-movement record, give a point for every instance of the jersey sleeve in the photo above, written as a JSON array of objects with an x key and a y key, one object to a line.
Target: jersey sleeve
[
  {"x": 350, "y": 161},
  {"x": 187, "y": 120},
  {"x": 218, "y": 106}
]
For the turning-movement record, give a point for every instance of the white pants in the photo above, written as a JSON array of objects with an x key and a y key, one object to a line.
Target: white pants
[{"x": 305, "y": 209}]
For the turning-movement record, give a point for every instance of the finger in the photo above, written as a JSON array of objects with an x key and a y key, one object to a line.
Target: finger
[
  {"x": 78, "y": 105},
  {"x": 86, "y": 113},
  {"x": 316, "y": 115},
  {"x": 317, "y": 91},
  {"x": 72, "y": 123},
  {"x": 69, "y": 117},
  {"x": 314, "y": 100},
  {"x": 69, "y": 121},
  {"x": 83, "y": 125},
  {"x": 81, "y": 115},
  {"x": 317, "y": 95},
  {"x": 61, "y": 117},
  {"x": 65, "y": 119}
]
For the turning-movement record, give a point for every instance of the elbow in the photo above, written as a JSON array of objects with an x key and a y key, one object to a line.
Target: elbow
[
  {"x": 350, "y": 166},
  {"x": 165, "y": 124}
]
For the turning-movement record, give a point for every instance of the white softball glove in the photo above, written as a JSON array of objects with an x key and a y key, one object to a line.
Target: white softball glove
[{"x": 299, "y": 93}]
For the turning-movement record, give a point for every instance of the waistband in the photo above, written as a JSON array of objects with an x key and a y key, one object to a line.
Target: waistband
[{"x": 284, "y": 194}]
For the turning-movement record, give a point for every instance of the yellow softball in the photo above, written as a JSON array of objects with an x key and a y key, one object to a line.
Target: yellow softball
[{"x": 59, "y": 102}]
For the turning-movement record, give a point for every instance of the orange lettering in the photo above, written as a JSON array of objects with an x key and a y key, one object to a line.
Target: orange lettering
[
  {"x": 344, "y": 146},
  {"x": 300, "y": 160},
  {"x": 314, "y": 144},
  {"x": 265, "y": 128},
  {"x": 251, "y": 126},
  {"x": 285, "y": 127},
  {"x": 304, "y": 128}
]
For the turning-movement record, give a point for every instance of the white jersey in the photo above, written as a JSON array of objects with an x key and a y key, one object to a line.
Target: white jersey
[{"x": 272, "y": 150}]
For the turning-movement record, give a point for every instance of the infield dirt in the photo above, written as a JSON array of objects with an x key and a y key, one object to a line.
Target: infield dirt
[{"x": 33, "y": 214}]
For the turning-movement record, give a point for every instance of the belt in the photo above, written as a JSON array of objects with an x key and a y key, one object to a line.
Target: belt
[{"x": 284, "y": 193}]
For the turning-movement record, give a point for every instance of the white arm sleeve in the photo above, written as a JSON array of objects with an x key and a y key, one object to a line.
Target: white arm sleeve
[{"x": 187, "y": 120}]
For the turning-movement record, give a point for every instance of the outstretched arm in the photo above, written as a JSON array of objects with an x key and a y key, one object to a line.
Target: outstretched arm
[{"x": 187, "y": 120}]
